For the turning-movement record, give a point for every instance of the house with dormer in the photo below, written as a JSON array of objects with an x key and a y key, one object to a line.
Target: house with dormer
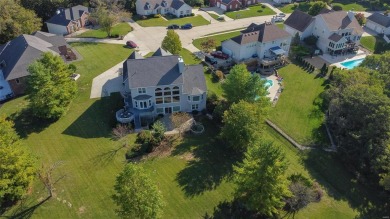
[
  {"x": 337, "y": 31},
  {"x": 263, "y": 41},
  {"x": 160, "y": 84},
  {"x": 176, "y": 7},
  {"x": 68, "y": 20}
]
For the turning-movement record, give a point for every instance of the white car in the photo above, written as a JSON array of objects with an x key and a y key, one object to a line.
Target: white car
[{"x": 282, "y": 15}]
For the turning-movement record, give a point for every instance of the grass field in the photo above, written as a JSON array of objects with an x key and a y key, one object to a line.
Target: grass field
[
  {"x": 197, "y": 20},
  {"x": 360, "y": 6},
  {"x": 296, "y": 111},
  {"x": 375, "y": 44},
  {"x": 120, "y": 29},
  {"x": 215, "y": 17},
  {"x": 289, "y": 8},
  {"x": 251, "y": 11},
  {"x": 219, "y": 38}
]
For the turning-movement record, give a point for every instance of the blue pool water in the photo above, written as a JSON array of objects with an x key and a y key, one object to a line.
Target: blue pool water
[
  {"x": 268, "y": 84},
  {"x": 352, "y": 64}
]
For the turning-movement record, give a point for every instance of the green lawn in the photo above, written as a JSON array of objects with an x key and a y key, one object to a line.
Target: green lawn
[
  {"x": 215, "y": 17},
  {"x": 280, "y": 25},
  {"x": 252, "y": 11},
  {"x": 120, "y": 29},
  {"x": 289, "y": 8},
  {"x": 375, "y": 44},
  {"x": 360, "y": 6},
  {"x": 219, "y": 38},
  {"x": 296, "y": 113},
  {"x": 197, "y": 20}
]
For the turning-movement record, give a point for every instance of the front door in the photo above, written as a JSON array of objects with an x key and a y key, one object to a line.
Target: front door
[{"x": 168, "y": 110}]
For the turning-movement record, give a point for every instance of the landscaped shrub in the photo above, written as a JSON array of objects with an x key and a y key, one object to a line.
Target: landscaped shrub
[
  {"x": 218, "y": 75},
  {"x": 337, "y": 8},
  {"x": 157, "y": 16},
  {"x": 260, "y": 11},
  {"x": 311, "y": 40},
  {"x": 212, "y": 101},
  {"x": 263, "y": 6},
  {"x": 143, "y": 17},
  {"x": 181, "y": 16},
  {"x": 192, "y": 14}
]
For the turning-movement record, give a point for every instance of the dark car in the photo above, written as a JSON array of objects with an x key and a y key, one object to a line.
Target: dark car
[
  {"x": 173, "y": 26},
  {"x": 220, "y": 55},
  {"x": 186, "y": 26},
  {"x": 131, "y": 44},
  {"x": 210, "y": 59}
]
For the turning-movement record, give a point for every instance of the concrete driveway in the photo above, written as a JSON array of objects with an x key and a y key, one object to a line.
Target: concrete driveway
[{"x": 108, "y": 82}]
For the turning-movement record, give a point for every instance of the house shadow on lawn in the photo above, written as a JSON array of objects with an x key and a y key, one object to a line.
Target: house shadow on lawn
[
  {"x": 329, "y": 171},
  {"x": 211, "y": 164},
  {"x": 98, "y": 120}
]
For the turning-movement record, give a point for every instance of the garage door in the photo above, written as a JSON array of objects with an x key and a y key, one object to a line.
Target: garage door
[{"x": 223, "y": 7}]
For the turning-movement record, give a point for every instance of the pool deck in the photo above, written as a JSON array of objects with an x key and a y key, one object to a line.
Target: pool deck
[
  {"x": 337, "y": 60},
  {"x": 273, "y": 91}
]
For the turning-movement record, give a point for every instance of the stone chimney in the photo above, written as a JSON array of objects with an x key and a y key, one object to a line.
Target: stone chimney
[
  {"x": 181, "y": 64},
  {"x": 351, "y": 15}
]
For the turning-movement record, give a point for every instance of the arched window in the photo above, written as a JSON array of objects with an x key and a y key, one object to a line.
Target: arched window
[
  {"x": 158, "y": 92},
  {"x": 175, "y": 90},
  {"x": 167, "y": 91}
]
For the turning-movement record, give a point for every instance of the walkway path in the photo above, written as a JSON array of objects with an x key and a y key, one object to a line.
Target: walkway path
[
  {"x": 108, "y": 82},
  {"x": 280, "y": 131}
]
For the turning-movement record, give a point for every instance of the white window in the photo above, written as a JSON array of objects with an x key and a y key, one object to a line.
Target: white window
[
  {"x": 188, "y": 11},
  {"x": 189, "y": 98},
  {"x": 136, "y": 104},
  {"x": 141, "y": 90},
  {"x": 195, "y": 98},
  {"x": 150, "y": 102},
  {"x": 194, "y": 106},
  {"x": 159, "y": 110},
  {"x": 176, "y": 108}
]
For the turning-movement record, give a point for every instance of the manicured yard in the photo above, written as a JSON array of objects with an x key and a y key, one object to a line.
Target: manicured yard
[
  {"x": 197, "y": 20},
  {"x": 359, "y": 6},
  {"x": 215, "y": 17},
  {"x": 297, "y": 111},
  {"x": 252, "y": 11},
  {"x": 280, "y": 25},
  {"x": 219, "y": 38},
  {"x": 289, "y": 8},
  {"x": 120, "y": 29},
  {"x": 375, "y": 44}
]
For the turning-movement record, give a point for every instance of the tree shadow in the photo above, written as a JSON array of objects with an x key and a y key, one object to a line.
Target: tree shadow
[
  {"x": 340, "y": 184},
  {"x": 212, "y": 162},
  {"x": 105, "y": 158},
  {"x": 26, "y": 123},
  {"x": 232, "y": 209},
  {"x": 26, "y": 209},
  {"x": 98, "y": 120}
]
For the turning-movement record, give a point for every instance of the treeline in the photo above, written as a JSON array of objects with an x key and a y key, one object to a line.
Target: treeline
[{"x": 359, "y": 117}]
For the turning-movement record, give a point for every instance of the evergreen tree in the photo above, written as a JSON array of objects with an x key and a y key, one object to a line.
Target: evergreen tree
[{"x": 171, "y": 42}]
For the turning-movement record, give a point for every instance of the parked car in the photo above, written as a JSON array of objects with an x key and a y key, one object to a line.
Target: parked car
[
  {"x": 173, "y": 26},
  {"x": 279, "y": 19},
  {"x": 220, "y": 55},
  {"x": 131, "y": 44},
  {"x": 210, "y": 59},
  {"x": 186, "y": 26},
  {"x": 282, "y": 15}
]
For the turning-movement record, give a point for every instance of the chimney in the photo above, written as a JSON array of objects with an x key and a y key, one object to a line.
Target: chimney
[
  {"x": 351, "y": 15},
  {"x": 181, "y": 64}
]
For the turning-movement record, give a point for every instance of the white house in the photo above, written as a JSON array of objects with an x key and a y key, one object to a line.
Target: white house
[
  {"x": 379, "y": 23},
  {"x": 68, "y": 20},
  {"x": 175, "y": 7},
  {"x": 282, "y": 1},
  {"x": 161, "y": 84},
  {"x": 337, "y": 31},
  {"x": 264, "y": 41}
]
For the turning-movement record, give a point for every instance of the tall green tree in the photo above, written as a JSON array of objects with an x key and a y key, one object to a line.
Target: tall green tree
[
  {"x": 136, "y": 195},
  {"x": 44, "y": 9},
  {"x": 380, "y": 64},
  {"x": 240, "y": 84},
  {"x": 316, "y": 8},
  {"x": 17, "y": 169},
  {"x": 260, "y": 179},
  {"x": 243, "y": 123},
  {"x": 171, "y": 42},
  {"x": 50, "y": 88},
  {"x": 16, "y": 20}
]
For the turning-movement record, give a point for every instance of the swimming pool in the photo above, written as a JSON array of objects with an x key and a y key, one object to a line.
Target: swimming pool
[
  {"x": 268, "y": 84},
  {"x": 352, "y": 64}
]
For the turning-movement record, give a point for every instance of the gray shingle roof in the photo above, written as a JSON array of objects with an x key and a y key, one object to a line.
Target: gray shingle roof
[
  {"x": 20, "y": 52},
  {"x": 335, "y": 37},
  {"x": 142, "y": 97},
  {"x": 194, "y": 80},
  {"x": 299, "y": 20},
  {"x": 380, "y": 19},
  {"x": 67, "y": 15},
  {"x": 262, "y": 33},
  {"x": 176, "y": 4},
  {"x": 154, "y": 4},
  {"x": 161, "y": 52},
  {"x": 135, "y": 55},
  {"x": 337, "y": 20}
]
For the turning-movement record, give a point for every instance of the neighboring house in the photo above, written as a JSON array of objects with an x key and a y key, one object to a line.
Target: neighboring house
[
  {"x": 68, "y": 20},
  {"x": 161, "y": 84},
  {"x": 17, "y": 54},
  {"x": 232, "y": 5},
  {"x": 337, "y": 31},
  {"x": 175, "y": 7},
  {"x": 282, "y": 1},
  {"x": 379, "y": 23},
  {"x": 265, "y": 41}
]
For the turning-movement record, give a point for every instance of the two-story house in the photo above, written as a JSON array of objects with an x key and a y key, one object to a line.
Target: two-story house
[
  {"x": 161, "y": 84},
  {"x": 176, "y": 7},
  {"x": 68, "y": 20},
  {"x": 232, "y": 5},
  {"x": 337, "y": 31},
  {"x": 265, "y": 41}
]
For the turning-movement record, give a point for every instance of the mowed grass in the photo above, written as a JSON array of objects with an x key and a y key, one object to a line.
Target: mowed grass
[
  {"x": 360, "y": 6},
  {"x": 296, "y": 111},
  {"x": 218, "y": 38},
  {"x": 120, "y": 29},
  {"x": 215, "y": 17},
  {"x": 375, "y": 44},
  {"x": 197, "y": 20},
  {"x": 252, "y": 11},
  {"x": 290, "y": 8}
]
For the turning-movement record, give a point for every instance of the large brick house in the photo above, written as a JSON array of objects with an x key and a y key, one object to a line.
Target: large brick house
[
  {"x": 17, "y": 54},
  {"x": 231, "y": 5},
  {"x": 68, "y": 20}
]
